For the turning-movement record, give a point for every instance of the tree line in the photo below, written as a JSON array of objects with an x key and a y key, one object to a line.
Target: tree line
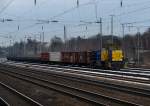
[{"x": 129, "y": 44}]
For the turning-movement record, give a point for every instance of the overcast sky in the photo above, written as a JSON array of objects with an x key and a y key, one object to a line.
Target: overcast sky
[{"x": 26, "y": 15}]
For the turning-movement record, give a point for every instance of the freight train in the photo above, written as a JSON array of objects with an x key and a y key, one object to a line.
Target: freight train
[{"x": 107, "y": 59}]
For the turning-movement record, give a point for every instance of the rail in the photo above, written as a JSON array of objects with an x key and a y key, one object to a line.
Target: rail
[
  {"x": 120, "y": 88},
  {"x": 21, "y": 95}
]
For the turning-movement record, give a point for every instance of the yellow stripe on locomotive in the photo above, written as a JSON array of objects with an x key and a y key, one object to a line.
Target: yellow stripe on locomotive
[
  {"x": 117, "y": 55},
  {"x": 104, "y": 55}
]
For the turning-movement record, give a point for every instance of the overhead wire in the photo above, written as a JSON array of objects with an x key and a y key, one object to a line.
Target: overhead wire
[
  {"x": 136, "y": 10},
  {"x": 57, "y": 14},
  {"x": 82, "y": 5},
  {"x": 127, "y": 6},
  {"x": 5, "y": 7},
  {"x": 69, "y": 10},
  {"x": 24, "y": 28},
  {"x": 3, "y": 3},
  {"x": 136, "y": 22},
  {"x": 133, "y": 11},
  {"x": 30, "y": 26},
  {"x": 28, "y": 11}
]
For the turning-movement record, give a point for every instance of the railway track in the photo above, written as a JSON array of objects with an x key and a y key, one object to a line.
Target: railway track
[
  {"x": 129, "y": 72},
  {"x": 101, "y": 97},
  {"x": 132, "y": 70},
  {"x": 144, "y": 69},
  {"x": 138, "y": 70},
  {"x": 129, "y": 76},
  {"x": 3, "y": 102},
  {"x": 14, "y": 97},
  {"x": 82, "y": 94},
  {"x": 39, "y": 72}
]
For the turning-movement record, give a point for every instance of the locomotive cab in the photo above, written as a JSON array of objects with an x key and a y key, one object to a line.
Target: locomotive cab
[{"x": 116, "y": 59}]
